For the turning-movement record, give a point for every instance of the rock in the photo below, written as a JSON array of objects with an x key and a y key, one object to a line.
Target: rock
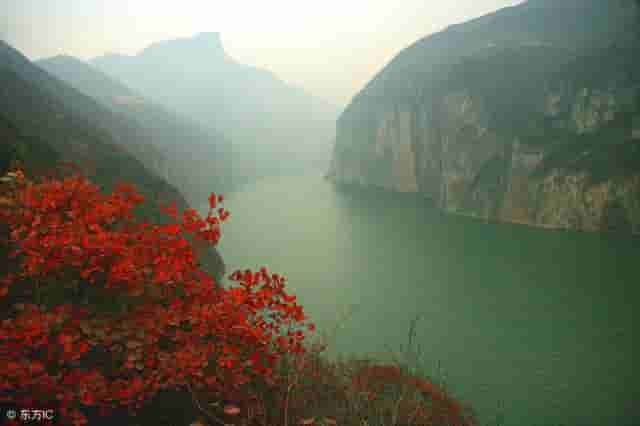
[{"x": 529, "y": 131}]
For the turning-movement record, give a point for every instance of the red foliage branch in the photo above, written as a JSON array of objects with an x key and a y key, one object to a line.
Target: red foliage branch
[{"x": 178, "y": 329}]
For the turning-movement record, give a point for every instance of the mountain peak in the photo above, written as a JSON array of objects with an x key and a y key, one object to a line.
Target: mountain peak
[
  {"x": 209, "y": 42},
  {"x": 210, "y": 37}
]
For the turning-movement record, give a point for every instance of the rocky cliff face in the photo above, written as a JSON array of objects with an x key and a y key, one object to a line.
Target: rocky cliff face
[{"x": 528, "y": 132}]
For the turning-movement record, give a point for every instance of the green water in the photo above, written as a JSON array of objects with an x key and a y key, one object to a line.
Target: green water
[{"x": 530, "y": 326}]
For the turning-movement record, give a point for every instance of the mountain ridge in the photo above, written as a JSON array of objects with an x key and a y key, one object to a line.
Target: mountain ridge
[
  {"x": 525, "y": 115},
  {"x": 274, "y": 127},
  {"x": 179, "y": 139},
  {"x": 43, "y": 120}
]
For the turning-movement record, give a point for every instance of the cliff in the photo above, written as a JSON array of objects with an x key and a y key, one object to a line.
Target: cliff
[{"x": 512, "y": 117}]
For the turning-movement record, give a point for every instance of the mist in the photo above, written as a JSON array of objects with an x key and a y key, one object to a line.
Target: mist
[
  {"x": 331, "y": 48},
  {"x": 321, "y": 213}
]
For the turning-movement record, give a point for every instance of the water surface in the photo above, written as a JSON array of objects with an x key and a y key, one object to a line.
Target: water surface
[{"x": 529, "y": 325}]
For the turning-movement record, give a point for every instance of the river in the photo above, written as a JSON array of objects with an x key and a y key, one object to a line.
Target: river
[{"x": 530, "y": 326}]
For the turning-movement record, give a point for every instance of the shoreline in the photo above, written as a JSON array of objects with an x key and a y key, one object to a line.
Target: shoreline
[{"x": 547, "y": 227}]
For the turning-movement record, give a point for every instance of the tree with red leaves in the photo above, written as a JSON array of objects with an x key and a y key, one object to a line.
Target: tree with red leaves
[{"x": 101, "y": 309}]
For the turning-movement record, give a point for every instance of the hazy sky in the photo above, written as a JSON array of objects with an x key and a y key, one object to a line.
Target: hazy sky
[{"x": 330, "y": 47}]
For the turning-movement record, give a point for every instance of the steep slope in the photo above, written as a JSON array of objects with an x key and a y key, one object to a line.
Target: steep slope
[
  {"x": 39, "y": 155},
  {"x": 525, "y": 115},
  {"x": 43, "y": 121},
  {"x": 68, "y": 111},
  {"x": 274, "y": 127},
  {"x": 198, "y": 160}
]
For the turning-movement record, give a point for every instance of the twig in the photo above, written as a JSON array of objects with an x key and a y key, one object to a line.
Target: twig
[
  {"x": 201, "y": 408},
  {"x": 286, "y": 405}
]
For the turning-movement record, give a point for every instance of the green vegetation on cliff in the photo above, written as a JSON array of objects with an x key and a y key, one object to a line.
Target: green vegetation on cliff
[{"x": 486, "y": 114}]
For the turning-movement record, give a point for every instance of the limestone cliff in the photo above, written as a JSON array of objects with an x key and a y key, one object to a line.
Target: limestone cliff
[{"x": 514, "y": 128}]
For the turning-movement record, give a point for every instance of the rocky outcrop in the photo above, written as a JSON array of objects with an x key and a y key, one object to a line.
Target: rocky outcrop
[{"x": 524, "y": 132}]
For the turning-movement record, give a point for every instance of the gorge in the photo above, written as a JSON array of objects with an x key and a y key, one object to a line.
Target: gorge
[{"x": 402, "y": 212}]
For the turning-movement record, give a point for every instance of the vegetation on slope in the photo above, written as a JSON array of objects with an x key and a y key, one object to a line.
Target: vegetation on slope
[
  {"x": 45, "y": 121},
  {"x": 108, "y": 319},
  {"x": 196, "y": 158}
]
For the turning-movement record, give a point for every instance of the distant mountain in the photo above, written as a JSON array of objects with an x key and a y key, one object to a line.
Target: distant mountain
[
  {"x": 530, "y": 115},
  {"x": 275, "y": 127},
  {"x": 43, "y": 121},
  {"x": 86, "y": 79},
  {"x": 199, "y": 159}
]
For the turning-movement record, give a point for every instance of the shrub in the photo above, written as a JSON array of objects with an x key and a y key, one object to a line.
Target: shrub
[{"x": 100, "y": 309}]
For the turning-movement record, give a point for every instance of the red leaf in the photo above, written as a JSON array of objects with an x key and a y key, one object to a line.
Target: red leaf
[
  {"x": 212, "y": 200},
  {"x": 231, "y": 410},
  {"x": 67, "y": 229}
]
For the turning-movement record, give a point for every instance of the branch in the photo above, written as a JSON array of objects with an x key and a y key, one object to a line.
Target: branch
[{"x": 201, "y": 408}]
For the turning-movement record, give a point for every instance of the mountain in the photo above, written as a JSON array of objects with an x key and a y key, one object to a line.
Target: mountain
[
  {"x": 530, "y": 115},
  {"x": 275, "y": 127},
  {"x": 44, "y": 121},
  {"x": 199, "y": 159},
  {"x": 44, "y": 111}
]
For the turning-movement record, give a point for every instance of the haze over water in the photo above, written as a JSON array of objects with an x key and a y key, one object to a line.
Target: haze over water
[
  {"x": 530, "y": 327},
  {"x": 525, "y": 323}
]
